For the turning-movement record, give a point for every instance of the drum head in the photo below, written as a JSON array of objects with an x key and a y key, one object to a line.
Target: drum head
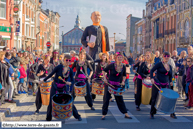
[
  {"x": 168, "y": 93},
  {"x": 97, "y": 80},
  {"x": 80, "y": 84},
  {"x": 147, "y": 82},
  {"x": 62, "y": 98}
]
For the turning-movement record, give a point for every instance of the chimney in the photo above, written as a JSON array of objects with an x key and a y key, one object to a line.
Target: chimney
[{"x": 143, "y": 13}]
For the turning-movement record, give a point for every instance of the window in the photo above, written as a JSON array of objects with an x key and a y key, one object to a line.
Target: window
[
  {"x": 186, "y": 29},
  {"x": 3, "y": 9}
]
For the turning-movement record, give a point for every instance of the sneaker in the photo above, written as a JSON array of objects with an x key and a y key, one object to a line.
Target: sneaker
[
  {"x": 19, "y": 92},
  {"x": 36, "y": 112},
  {"x": 23, "y": 92},
  {"x": 16, "y": 94},
  {"x": 189, "y": 108},
  {"x": 11, "y": 101}
]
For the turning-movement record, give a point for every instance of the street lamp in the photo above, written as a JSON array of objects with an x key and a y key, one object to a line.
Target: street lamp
[{"x": 122, "y": 34}]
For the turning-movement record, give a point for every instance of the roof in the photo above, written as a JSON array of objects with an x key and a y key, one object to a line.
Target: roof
[
  {"x": 44, "y": 12},
  {"x": 121, "y": 41},
  {"x": 72, "y": 30}
]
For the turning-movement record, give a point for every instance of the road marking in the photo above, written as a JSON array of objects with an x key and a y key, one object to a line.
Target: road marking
[
  {"x": 81, "y": 111},
  {"x": 120, "y": 117},
  {"x": 167, "y": 116}
]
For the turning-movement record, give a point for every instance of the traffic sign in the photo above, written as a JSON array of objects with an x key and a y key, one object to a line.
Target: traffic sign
[{"x": 48, "y": 44}]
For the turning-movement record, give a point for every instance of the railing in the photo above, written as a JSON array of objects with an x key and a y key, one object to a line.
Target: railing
[
  {"x": 161, "y": 35},
  {"x": 166, "y": 32},
  {"x": 183, "y": 40}
]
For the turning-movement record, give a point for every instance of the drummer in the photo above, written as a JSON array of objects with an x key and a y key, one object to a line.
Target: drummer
[
  {"x": 64, "y": 71},
  {"x": 43, "y": 71},
  {"x": 82, "y": 75},
  {"x": 102, "y": 64},
  {"x": 163, "y": 79},
  {"x": 136, "y": 66},
  {"x": 55, "y": 59},
  {"x": 116, "y": 78},
  {"x": 144, "y": 72}
]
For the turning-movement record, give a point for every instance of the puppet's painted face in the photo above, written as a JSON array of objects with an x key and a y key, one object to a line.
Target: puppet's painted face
[{"x": 96, "y": 17}]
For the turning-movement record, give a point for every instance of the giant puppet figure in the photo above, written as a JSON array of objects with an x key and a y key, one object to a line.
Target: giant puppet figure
[{"x": 96, "y": 36}]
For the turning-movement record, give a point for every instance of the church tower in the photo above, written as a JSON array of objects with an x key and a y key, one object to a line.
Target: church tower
[{"x": 77, "y": 22}]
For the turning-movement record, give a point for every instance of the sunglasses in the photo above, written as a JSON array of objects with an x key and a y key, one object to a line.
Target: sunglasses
[
  {"x": 55, "y": 52},
  {"x": 68, "y": 60},
  {"x": 188, "y": 61},
  {"x": 167, "y": 56}
]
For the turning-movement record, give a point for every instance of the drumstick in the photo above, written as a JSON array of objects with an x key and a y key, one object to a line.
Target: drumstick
[
  {"x": 158, "y": 88},
  {"x": 61, "y": 79}
]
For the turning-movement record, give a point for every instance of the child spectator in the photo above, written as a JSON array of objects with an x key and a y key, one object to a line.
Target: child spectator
[{"x": 21, "y": 79}]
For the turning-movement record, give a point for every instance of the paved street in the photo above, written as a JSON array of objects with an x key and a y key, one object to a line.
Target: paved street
[{"x": 114, "y": 120}]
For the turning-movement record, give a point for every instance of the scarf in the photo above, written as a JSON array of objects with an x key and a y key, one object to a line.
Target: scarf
[{"x": 103, "y": 37}]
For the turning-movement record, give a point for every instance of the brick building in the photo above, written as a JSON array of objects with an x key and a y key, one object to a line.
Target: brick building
[{"x": 6, "y": 23}]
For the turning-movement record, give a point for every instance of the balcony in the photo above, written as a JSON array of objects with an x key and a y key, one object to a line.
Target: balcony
[
  {"x": 183, "y": 40},
  {"x": 166, "y": 32},
  {"x": 161, "y": 35}
]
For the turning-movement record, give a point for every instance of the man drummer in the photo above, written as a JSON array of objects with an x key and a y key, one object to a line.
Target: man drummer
[{"x": 65, "y": 72}]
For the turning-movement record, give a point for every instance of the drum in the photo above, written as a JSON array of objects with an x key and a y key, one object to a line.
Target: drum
[
  {"x": 98, "y": 87},
  {"x": 146, "y": 91},
  {"x": 166, "y": 101},
  {"x": 62, "y": 106},
  {"x": 45, "y": 91},
  {"x": 80, "y": 88},
  {"x": 116, "y": 90}
]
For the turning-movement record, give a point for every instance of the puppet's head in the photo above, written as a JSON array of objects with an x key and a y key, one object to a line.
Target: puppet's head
[{"x": 96, "y": 18}]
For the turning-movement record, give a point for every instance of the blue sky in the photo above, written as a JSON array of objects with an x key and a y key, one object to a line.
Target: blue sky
[{"x": 114, "y": 13}]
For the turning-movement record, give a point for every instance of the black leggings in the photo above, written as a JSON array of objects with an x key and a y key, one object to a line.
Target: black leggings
[
  {"x": 138, "y": 95},
  {"x": 119, "y": 100}
]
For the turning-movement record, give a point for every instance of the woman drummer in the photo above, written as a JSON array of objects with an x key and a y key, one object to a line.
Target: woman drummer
[
  {"x": 43, "y": 71},
  {"x": 102, "y": 63},
  {"x": 163, "y": 79},
  {"x": 55, "y": 59},
  {"x": 136, "y": 66},
  {"x": 65, "y": 72},
  {"x": 116, "y": 78},
  {"x": 82, "y": 75},
  {"x": 144, "y": 73}
]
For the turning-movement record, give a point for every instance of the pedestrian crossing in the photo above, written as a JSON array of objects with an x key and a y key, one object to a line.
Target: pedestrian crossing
[
  {"x": 119, "y": 117},
  {"x": 167, "y": 116},
  {"x": 81, "y": 111}
]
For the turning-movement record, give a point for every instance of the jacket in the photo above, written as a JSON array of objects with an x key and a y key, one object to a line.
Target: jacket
[
  {"x": 92, "y": 30},
  {"x": 15, "y": 61},
  {"x": 22, "y": 72},
  {"x": 11, "y": 71}
]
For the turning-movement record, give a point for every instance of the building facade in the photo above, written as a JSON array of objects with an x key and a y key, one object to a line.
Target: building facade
[
  {"x": 164, "y": 26},
  {"x": 184, "y": 24},
  {"x": 120, "y": 45},
  {"x": 139, "y": 42},
  {"x": 130, "y": 31},
  {"x": 6, "y": 24},
  {"x": 72, "y": 39}
]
